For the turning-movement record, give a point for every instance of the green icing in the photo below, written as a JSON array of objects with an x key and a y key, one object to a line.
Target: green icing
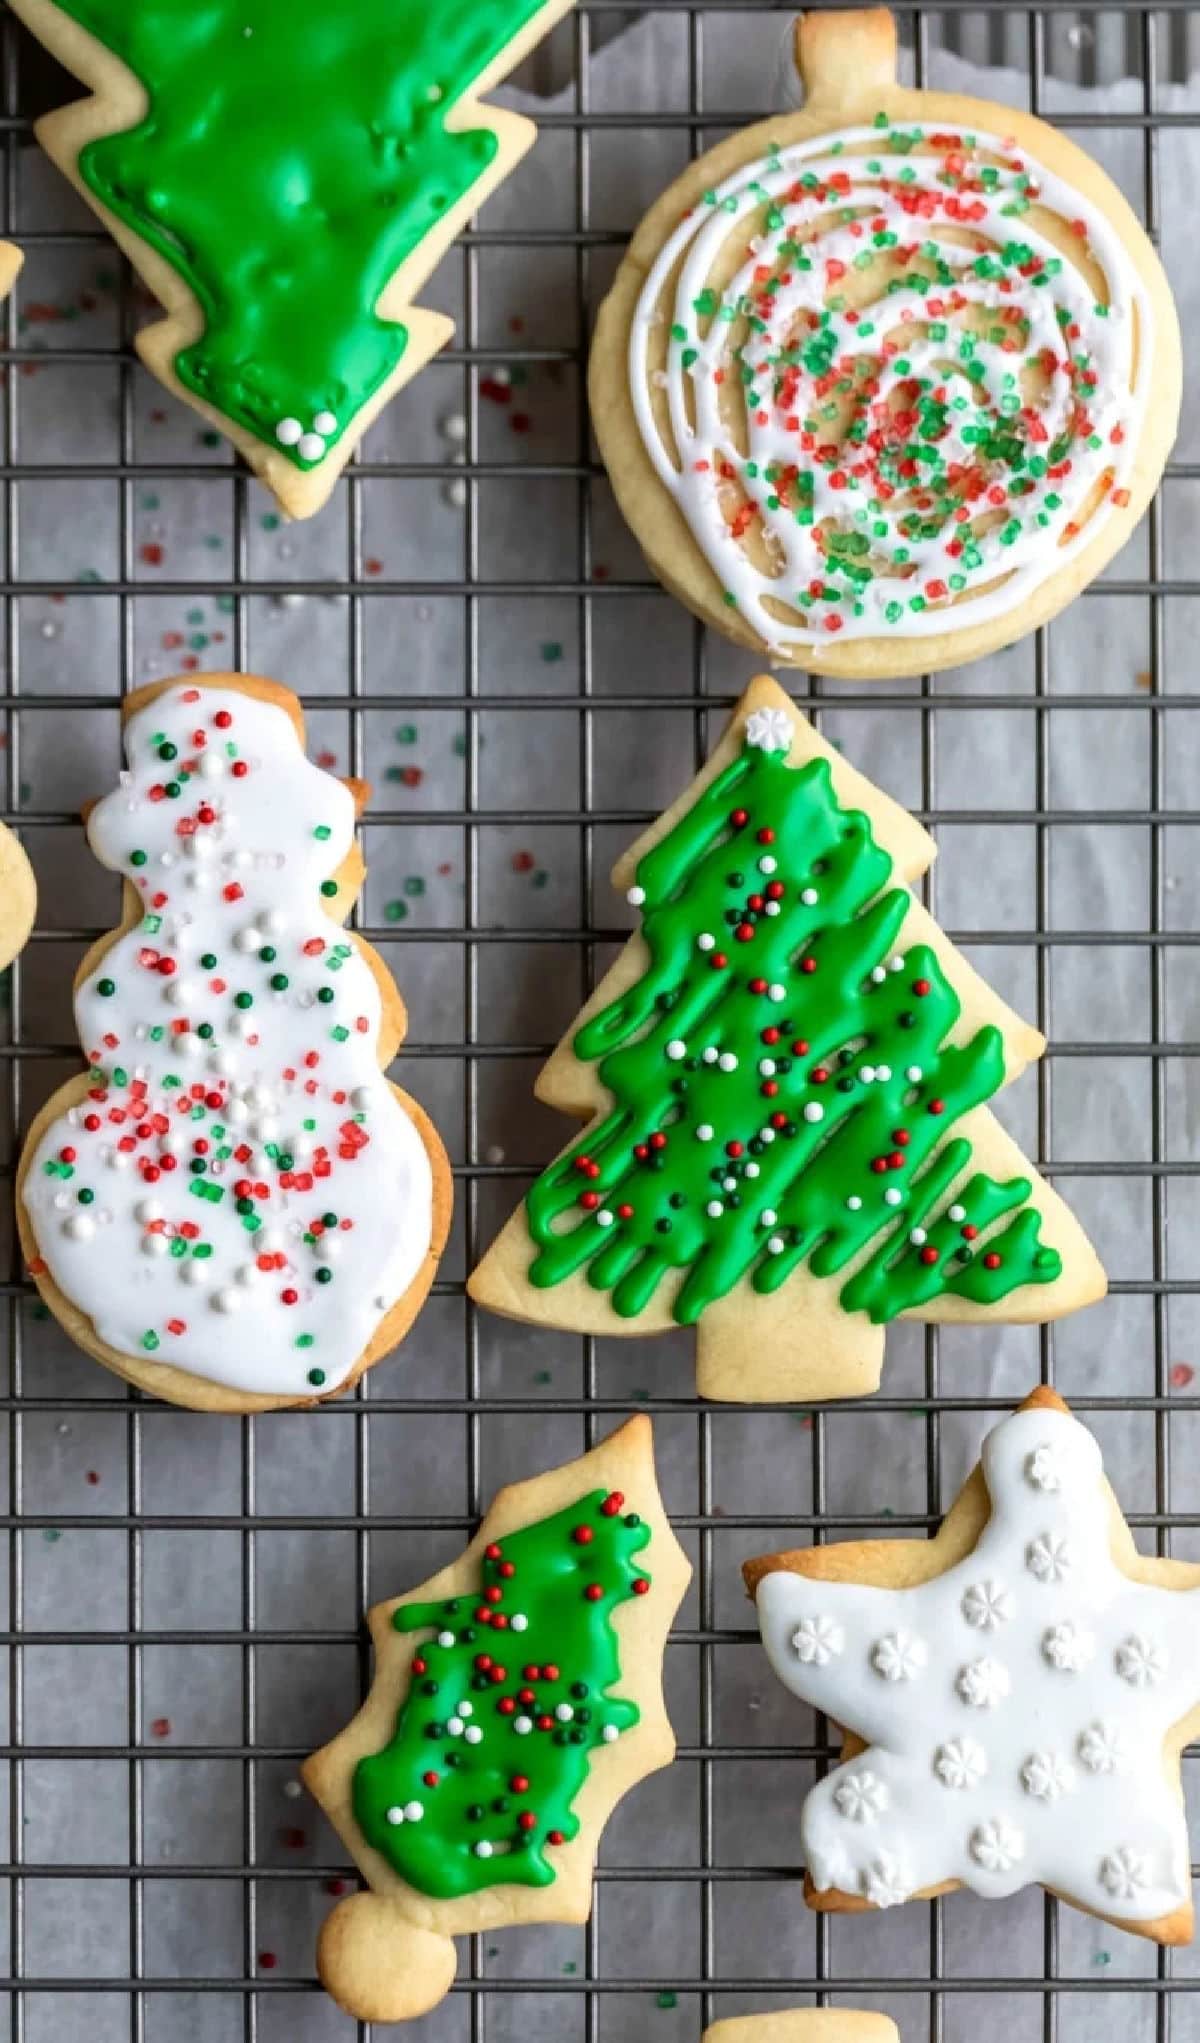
[
  {"x": 771, "y": 931},
  {"x": 292, "y": 155},
  {"x": 525, "y": 1662}
]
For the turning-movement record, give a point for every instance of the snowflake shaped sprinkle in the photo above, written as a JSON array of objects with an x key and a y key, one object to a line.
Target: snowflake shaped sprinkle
[
  {"x": 961, "y": 1763},
  {"x": 1049, "y": 1557},
  {"x": 1041, "y": 1468},
  {"x": 771, "y": 729},
  {"x": 899, "y": 1656},
  {"x": 983, "y": 1683},
  {"x": 817, "y": 1640},
  {"x": 1104, "y": 1748},
  {"x": 998, "y": 1846},
  {"x": 1125, "y": 1873},
  {"x": 1045, "y": 1776},
  {"x": 954, "y": 1784},
  {"x": 860, "y": 1796},
  {"x": 1068, "y": 1647},
  {"x": 886, "y": 1882},
  {"x": 1140, "y": 1661},
  {"x": 986, "y": 1605}
]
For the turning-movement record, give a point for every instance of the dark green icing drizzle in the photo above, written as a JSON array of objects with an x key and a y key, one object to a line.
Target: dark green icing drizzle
[
  {"x": 535, "y": 1692},
  {"x": 820, "y": 1015}
]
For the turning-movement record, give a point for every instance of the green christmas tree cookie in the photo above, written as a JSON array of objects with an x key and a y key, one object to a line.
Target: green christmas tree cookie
[
  {"x": 516, "y": 1697},
  {"x": 285, "y": 177},
  {"x": 786, "y": 1076}
]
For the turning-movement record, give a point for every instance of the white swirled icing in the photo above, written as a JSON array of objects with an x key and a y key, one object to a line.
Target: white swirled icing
[
  {"x": 842, "y": 469},
  {"x": 1039, "y": 1760},
  {"x": 240, "y": 1193}
]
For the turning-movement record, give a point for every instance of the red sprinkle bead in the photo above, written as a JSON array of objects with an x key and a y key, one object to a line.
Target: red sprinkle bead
[
  {"x": 641, "y": 1586},
  {"x": 921, "y": 987},
  {"x": 929, "y": 1255},
  {"x": 583, "y": 1535},
  {"x": 992, "y": 1261},
  {"x": 593, "y": 1592}
]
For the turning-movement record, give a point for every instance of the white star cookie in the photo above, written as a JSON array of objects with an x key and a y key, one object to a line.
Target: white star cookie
[{"x": 1015, "y": 1693}]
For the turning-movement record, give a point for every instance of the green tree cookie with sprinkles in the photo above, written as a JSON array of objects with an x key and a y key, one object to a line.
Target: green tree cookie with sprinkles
[
  {"x": 285, "y": 177},
  {"x": 516, "y": 1697},
  {"x": 786, "y": 1077}
]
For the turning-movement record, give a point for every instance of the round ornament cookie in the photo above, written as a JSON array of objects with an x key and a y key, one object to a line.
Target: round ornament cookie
[
  {"x": 1015, "y": 1694},
  {"x": 18, "y": 897},
  {"x": 233, "y": 1209},
  {"x": 882, "y": 385}
]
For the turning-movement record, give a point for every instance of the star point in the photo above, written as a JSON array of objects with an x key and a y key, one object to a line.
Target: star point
[{"x": 1016, "y": 1684}]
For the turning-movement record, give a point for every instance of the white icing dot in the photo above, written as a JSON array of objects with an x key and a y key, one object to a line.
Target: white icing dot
[
  {"x": 519, "y": 1622},
  {"x": 878, "y": 975},
  {"x": 710, "y": 1055},
  {"x": 814, "y": 1111},
  {"x": 395, "y": 1815},
  {"x": 705, "y": 941},
  {"x": 776, "y": 1245},
  {"x": 767, "y": 864},
  {"x": 483, "y": 1849},
  {"x": 766, "y": 1067},
  {"x": 914, "y": 1074},
  {"x": 522, "y": 1726},
  {"x": 288, "y": 432},
  {"x": 413, "y": 1811},
  {"x": 917, "y": 1236},
  {"x": 310, "y": 446},
  {"x": 777, "y": 992},
  {"x": 604, "y": 1218},
  {"x": 727, "y": 1061},
  {"x": 564, "y": 1713},
  {"x": 810, "y": 897},
  {"x": 445, "y": 1638},
  {"x": 676, "y": 1049},
  {"x": 610, "y": 1734},
  {"x": 854, "y": 1203},
  {"x": 325, "y": 423},
  {"x": 473, "y": 1735},
  {"x": 893, "y": 1197},
  {"x": 714, "y": 1209},
  {"x": 704, "y": 1131},
  {"x": 956, "y": 1213},
  {"x": 768, "y": 1216}
]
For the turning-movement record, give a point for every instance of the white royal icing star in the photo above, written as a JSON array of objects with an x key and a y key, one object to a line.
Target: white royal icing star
[
  {"x": 1036, "y": 1759},
  {"x": 770, "y": 729}
]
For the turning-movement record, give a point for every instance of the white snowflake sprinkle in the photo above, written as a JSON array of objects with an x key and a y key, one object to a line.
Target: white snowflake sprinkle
[
  {"x": 986, "y": 1606},
  {"x": 997, "y": 1846},
  {"x": 1069, "y": 1646},
  {"x": 983, "y": 1683},
  {"x": 771, "y": 730},
  {"x": 1124, "y": 1873},
  {"x": 1104, "y": 1748},
  {"x": 817, "y": 1640},
  {"x": 899, "y": 1656},
  {"x": 1050, "y": 1558},
  {"x": 861, "y": 1796},
  {"x": 1046, "y": 1776},
  {"x": 1140, "y": 1661},
  {"x": 960, "y": 1763},
  {"x": 886, "y": 1882},
  {"x": 1041, "y": 1468}
]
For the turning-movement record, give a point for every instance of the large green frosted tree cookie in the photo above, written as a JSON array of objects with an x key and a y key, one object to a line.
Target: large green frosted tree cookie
[
  {"x": 286, "y": 176},
  {"x": 785, "y": 1078}
]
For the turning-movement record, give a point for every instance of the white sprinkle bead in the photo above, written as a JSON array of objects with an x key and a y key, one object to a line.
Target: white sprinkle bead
[
  {"x": 768, "y": 1216},
  {"x": 148, "y": 1210},
  {"x": 710, "y": 1055},
  {"x": 704, "y": 1131},
  {"x": 751, "y": 1169},
  {"x": 956, "y": 1213},
  {"x": 310, "y": 446},
  {"x": 522, "y": 1726},
  {"x": 705, "y": 941},
  {"x": 767, "y": 864},
  {"x": 518, "y": 1623},
  {"x": 80, "y": 1227},
  {"x": 611, "y": 1734},
  {"x": 878, "y": 975},
  {"x": 473, "y": 1735},
  {"x": 564, "y": 1713},
  {"x": 714, "y": 1209},
  {"x": 325, "y": 423},
  {"x": 635, "y": 896},
  {"x": 914, "y": 1074},
  {"x": 814, "y": 1111},
  {"x": 413, "y": 1811},
  {"x": 155, "y": 1244},
  {"x": 604, "y": 1218},
  {"x": 445, "y": 1638},
  {"x": 227, "y": 1300},
  {"x": 766, "y": 1067},
  {"x": 867, "y": 1074},
  {"x": 777, "y": 992},
  {"x": 917, "y": 1236},
  {"x": 854, "y": 1203},
  {"x": 727, "y": 1061},
  {"x": 810, "y": 897},
  {"x": 287, "y": 432},
  {"x": 883, "y": 1072},
  {"x": 776, "y": 1245},
  {"x": 395, "y": 1815},
  {"x": 893, "y": 1197},
  {"x": 676, "y": 1049},
  {"x": 483, "y": 1849}
]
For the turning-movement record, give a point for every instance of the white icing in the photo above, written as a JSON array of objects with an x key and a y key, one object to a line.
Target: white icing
[
  {"x": 1015, "y": 1765},
  {"x": 723, "y": 455},
  {"x": 256, "y": 833}
]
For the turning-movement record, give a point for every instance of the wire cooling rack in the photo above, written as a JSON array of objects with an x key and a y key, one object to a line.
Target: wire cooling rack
[{"x": 469, "y": 625}]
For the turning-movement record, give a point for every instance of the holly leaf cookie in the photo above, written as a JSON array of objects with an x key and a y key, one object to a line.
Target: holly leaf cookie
[
  {"x": 881, "y": 385},
  {"x": 517, "y": 1697},
  {"x": 233, "y": 1209},
  {"x": 18, "y": 897},
  {"x": 807, "y": 2025},
  {"x": 285, "y": 178},
  {"x": 785, "y": 1077},
  {"x": 1014, "y": 1694}
]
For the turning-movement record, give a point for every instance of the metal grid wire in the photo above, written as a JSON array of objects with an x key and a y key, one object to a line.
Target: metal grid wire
[{"x": 649, "y": 1965}]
